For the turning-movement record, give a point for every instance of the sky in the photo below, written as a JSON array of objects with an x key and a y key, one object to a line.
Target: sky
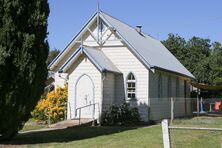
[{"x": 187, "y": 18}]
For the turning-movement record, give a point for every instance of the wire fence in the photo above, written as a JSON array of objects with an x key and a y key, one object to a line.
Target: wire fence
[
  {"x": 162, "y": 108},
  {"x": 190, "y": 137},
  {"x": 190, "y": 132}
]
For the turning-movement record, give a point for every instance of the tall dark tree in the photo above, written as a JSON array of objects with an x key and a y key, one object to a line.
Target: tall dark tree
[{"x": 23, "y": 54}]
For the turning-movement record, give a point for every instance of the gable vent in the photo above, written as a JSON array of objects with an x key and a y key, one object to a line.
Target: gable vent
[{"x": 139, "y": 28}]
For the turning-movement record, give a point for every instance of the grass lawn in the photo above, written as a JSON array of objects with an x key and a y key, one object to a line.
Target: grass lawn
[
  {"x": 109, "y": 137},
  {"x": 196, "y": 139},
  {"x": 85, "y": 137},
  {"x": 32, "y": 125}
]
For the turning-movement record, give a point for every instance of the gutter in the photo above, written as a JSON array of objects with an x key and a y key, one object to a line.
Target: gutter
[{"x": 174, "y": 72}]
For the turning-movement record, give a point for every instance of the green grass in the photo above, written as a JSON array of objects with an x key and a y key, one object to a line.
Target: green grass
[
  {"x": 32, "y": 125},
  {"x": 84, "y": 137},
  {"x": 126, "y": 137},
  {"x": 200, "y": 121},
  {"x": 195, "y": 139}
]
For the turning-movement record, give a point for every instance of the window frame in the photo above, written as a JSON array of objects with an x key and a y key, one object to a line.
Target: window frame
[{"x": 134, "y": 88}]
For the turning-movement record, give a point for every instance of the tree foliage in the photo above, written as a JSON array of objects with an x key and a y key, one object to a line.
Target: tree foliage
[
  {"x": 23, "y": 54},
  {"x": 53, "y": 105},
  {"x": 201, "y": 57},
  {"x": 52, "y": 55}
]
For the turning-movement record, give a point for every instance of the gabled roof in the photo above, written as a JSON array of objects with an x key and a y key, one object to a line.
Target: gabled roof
[
  {"x": 96, "y": 56},
  {"x": 151, "y": 52},
  {"x": 65, "y": 50}
]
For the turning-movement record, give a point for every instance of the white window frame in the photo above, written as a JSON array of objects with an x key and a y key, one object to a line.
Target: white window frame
[{"x": 129, "y": 81}]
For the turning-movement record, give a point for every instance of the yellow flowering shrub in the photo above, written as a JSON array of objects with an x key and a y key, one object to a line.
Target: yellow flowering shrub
[{"x": 54, "y": 105}]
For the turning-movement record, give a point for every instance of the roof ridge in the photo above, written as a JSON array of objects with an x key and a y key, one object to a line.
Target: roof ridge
[
  {"x": 118, "y": 20},
  {"x": 145, "y": 45},
  {"x": 146, "y": 34}
]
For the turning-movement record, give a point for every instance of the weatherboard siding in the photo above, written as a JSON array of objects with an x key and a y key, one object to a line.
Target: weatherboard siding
[
  {"x": 126, "y": 62},
  {"x": 80, "y": 67},
  {"x": 60, "y": 79},
  {"x": 108, "y": 91},
  {"x": 160, "y": 107}
]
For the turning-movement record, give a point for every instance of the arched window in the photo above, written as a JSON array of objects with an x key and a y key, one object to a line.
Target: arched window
[{"x": 131, "y": 86}]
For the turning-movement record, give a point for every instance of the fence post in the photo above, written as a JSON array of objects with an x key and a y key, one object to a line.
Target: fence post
[
  {"x": 69, "y": 110},
  {"x": 79, "y": 116},
  {"x": 198, "y": 106},
  {"x": 99, "y": 118},
  {"x": 93, "y": 124},
  {"x": 172, "y": 111},
  {"x": 166, "y": 135}
]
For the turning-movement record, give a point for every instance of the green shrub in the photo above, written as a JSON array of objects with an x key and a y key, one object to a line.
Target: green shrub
[
  {"x": 53, "y": 105},
  {"x": 121, "y": 115}
]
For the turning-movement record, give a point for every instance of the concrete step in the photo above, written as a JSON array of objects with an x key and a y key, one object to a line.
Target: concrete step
[{"x": 71, "y": 123}]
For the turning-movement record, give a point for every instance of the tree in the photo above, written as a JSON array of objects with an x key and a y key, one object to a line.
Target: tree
[
  {"x": 198, "y": 50},
  {"x": 216, "y": 64},
  {"x": 202, "y": 71},
  {"x": 52, "y": 55},
  {"x": 176, "y": 45},
  {"x": 194, "y": 54},
  {"x": 23, "y": 54}
]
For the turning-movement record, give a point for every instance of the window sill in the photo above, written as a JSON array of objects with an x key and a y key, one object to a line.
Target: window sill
[{"x": 129, "y": 99}]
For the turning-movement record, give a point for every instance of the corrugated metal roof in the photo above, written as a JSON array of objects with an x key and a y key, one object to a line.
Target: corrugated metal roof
[
  {"x": 100, "y": 58},
  {"x": 97, "y": 57},
  {"x": 150, "y": 50}
]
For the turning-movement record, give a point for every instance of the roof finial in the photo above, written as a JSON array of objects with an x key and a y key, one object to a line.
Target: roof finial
[{"x": 98, "y": 6}]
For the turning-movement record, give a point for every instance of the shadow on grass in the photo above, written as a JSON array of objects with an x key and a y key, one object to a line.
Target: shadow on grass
[{"x": 64, "y": 135}]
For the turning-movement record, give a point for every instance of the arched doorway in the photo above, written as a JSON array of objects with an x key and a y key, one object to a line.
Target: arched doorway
[{"x": 84, "y": 96}]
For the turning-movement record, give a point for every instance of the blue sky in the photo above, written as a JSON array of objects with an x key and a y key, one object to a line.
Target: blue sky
[{"x": 202, "y": 18}]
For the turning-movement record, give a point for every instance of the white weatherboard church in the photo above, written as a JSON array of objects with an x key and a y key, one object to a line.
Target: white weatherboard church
[{"x": 109, "y": 62}]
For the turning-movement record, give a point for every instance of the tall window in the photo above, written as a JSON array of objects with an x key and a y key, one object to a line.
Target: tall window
[
  {"x": 160, "y": 86},
  {"x": 131, "y": 86}
]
